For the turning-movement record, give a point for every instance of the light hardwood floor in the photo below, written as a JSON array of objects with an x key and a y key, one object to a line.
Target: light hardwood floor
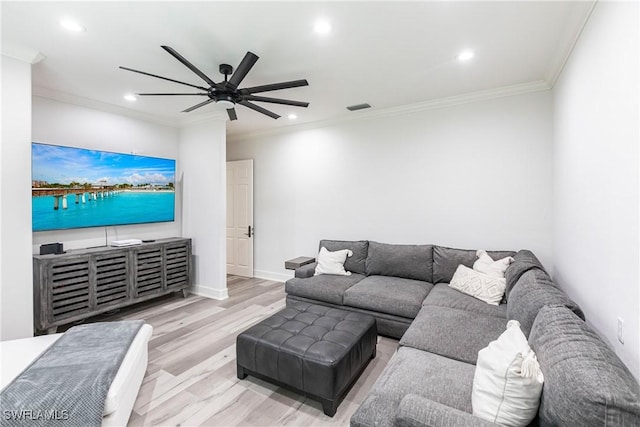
[{"x": 191, "y": 378}]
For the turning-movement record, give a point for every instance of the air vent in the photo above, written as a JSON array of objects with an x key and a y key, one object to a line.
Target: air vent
[{"x": 358, "y": 107}]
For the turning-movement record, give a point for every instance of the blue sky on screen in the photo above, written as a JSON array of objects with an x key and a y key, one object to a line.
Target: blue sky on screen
[{"x": 62, "y": 165}]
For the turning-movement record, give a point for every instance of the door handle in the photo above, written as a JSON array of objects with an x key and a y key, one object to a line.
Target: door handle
[{"x": 249, "y": 232}]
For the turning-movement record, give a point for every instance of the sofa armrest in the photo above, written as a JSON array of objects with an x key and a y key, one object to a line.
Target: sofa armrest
[
  {"x": 417, "y": 411},
  {"x": 306, "y": 270}
]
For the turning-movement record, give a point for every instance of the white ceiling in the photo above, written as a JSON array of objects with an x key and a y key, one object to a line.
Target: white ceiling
[{"x": 388, "y": 54}]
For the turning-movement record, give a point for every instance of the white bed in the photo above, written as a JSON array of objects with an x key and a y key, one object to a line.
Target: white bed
[{"x": 16, "y": 355}]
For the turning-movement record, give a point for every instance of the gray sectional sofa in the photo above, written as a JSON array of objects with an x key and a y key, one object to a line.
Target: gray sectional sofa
[{"x": 428, "y": 381}]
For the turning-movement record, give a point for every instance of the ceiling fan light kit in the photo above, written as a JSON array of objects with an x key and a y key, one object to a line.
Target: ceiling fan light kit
[
  {"x": 226, "y": 93},
  {"x": 226, "y": 104}
]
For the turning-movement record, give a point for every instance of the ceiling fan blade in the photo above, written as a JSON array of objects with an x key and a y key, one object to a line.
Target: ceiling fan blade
[
  {"x": 163, "y": 78},
  {"x": 202, "y": 104},
  {"x": 243, "y": 69},
  {"x": 232, "y": 114},
  {"x": 259, "y": 109},
  {"x": 170, "y": 94},
  {"x": 189, "y": 65},
  {"x": 274, "y": 86},
  {"x": 275, "y": 100}
]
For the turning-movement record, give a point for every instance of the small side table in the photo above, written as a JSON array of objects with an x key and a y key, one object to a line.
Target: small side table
[{"x": 292, "y": 264}]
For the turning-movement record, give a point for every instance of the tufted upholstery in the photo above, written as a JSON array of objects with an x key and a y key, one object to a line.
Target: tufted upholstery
[{"x": 315, "y": 349}]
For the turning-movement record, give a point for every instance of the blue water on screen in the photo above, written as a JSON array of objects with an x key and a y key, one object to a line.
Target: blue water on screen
[{"x": 116, "y": 209}]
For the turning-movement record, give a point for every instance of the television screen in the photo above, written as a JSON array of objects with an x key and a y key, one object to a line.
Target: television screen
[{"x": 76, "y": 187}]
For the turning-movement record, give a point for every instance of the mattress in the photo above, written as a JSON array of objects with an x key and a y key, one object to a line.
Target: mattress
[{"x": 16, "y": 355}]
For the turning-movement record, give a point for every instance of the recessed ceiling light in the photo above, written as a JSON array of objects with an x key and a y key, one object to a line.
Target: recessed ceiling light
[
  {"x": 129, "y": 97},
  {"x": 465, "y": 55},
  {"x": 292, "y": 116},
  {"x": 72, "y": 26},
  {"x": 322, "y": 27}
]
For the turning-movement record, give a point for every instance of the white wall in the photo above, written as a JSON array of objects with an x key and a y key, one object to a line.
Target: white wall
[
  {"x": 203, "y": 173},
  {"x": 16, "y": 293},
  {"x": 596, "y": 189},
  {"x": 61, "y": 123},
  {"x": 471, "y": 176}
]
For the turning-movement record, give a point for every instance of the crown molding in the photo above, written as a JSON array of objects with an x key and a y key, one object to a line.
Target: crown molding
[
  {"x": 518, "y": 89},
  {"x": 484, "y": 95},
  {"x": 21, "y": 53},
  {"x": 123, "y": 111},
  {"x": 69, "y": 98},
  {"x": 561, "y": 62}
]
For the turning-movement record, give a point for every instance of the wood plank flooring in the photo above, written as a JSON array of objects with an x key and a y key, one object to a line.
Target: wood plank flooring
[{"x": 191, "y": 378}]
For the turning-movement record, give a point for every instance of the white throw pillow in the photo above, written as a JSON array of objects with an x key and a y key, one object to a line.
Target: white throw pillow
[
  {"x": 332, "y": 262},
  {"x": 479, "y": 285},
  {"x": 508, "y": 381},
  {"x": 485, "y": 264}
]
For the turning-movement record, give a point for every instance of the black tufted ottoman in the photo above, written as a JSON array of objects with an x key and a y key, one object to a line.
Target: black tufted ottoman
[{"x": 316, "y": 350}]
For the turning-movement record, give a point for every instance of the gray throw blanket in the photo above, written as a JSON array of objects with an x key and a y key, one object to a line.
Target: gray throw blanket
[{"x": 68, "y": 384}]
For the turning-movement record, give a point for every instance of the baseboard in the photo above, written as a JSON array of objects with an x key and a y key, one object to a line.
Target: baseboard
[
  {"x": 270, "y": 275},
  {"x": 204, "y": 291}
]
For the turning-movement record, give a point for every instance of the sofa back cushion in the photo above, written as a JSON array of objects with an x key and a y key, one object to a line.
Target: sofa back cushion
[
  {"x": 585, "y": 383},
  {"x": 534, "y": 290},
  {"x": 407, "y": 261},
  {"x": 356, "y": 262},
  {"x": 523, "y": 261},
  {"x": 446, "y": 261}
]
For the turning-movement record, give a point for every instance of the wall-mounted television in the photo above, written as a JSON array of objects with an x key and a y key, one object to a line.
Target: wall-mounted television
[{"x": 77, "y": 187}]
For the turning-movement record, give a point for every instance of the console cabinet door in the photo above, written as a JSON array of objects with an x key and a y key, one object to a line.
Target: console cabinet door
[
  {"x": 177, "y": 265},
  {"x": 69, "y": 290},
  {"x": 148, "y": 278},
  {"x": 111, "y": 279}
]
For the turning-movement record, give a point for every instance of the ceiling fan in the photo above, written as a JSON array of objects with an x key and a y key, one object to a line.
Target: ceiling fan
[{"x": 227, "y": 93}]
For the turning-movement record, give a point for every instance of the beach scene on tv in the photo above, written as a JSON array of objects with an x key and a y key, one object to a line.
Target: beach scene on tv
[{"x": 76, "y": 187}]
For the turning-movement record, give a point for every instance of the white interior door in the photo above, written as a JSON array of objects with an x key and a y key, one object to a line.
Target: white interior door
[{"x": 240, "y": 218}]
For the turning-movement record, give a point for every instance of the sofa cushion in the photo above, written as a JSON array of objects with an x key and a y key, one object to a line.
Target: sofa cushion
[
  {"x": 356, "y": 262},
  {"x": 407, "y": 261},
  {"x": 446, "y": 261},
  {"x": 534, "y": 290},
  {"x": 452, "y": 333},
  {"x": 445, "y": 296},
  {"x": 523, "y": 261},
  {"x": 585, "y": 383},
  {"x": 392, "y": 295},
  {"x": 424, "y": 374},
  {"x": 325, "y": 287}
]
